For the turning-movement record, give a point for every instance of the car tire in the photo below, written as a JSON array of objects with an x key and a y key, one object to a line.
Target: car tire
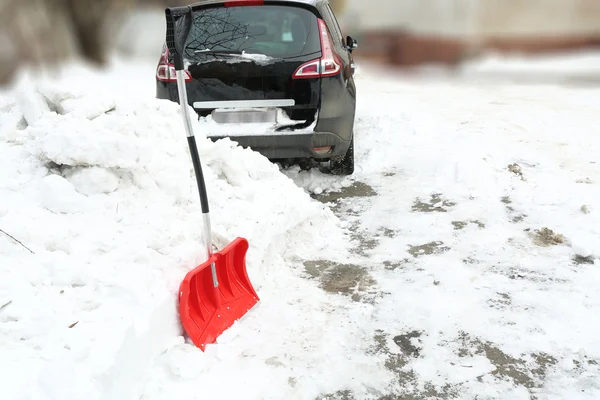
[{"x": 344, "y": 165}]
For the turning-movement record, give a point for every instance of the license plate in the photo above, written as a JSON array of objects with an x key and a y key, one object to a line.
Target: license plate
[{"x": 236, "y": 116}]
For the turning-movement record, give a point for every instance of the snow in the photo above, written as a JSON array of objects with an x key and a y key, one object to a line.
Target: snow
[
  {"x": 234, "y": 58},
  {"x": 572, "y": 64},
  {"x": 107, "y": 202},
  {"x": 95, "y": 179},
  {"x": 457, "y": 138}
]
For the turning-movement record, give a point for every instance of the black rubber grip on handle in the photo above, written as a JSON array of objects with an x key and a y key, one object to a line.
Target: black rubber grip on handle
[
  {"x": 199, "y": 175},
  {"x": 176, "y": 40}
]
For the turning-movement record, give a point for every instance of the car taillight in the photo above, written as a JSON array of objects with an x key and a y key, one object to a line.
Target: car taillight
[
  {"x": 329, "y": 64},
  {"x": 165, "y": 72}
]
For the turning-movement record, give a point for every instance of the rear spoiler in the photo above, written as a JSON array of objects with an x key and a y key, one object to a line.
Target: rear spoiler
[{"x": 234, "y": 3}]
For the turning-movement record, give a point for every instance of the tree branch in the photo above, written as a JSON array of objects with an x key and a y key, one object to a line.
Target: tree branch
[{"x": 18, "y": 241}]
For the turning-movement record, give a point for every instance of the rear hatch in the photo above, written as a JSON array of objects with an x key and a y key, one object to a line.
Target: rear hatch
[{"x": 251, "y": 52}]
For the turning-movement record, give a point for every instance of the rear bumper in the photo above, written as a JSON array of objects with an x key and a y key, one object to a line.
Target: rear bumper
[{"x": 291, "y": 145}]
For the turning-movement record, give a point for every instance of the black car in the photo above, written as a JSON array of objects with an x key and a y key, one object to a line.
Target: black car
[{"x": 250, "y": 61}]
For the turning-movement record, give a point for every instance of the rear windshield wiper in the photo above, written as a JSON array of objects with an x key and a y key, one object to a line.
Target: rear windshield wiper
[{"x": 224, "y": 52}]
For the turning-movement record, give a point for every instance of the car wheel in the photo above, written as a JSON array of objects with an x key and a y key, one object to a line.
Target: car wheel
[{"x": 344, "y": 165}]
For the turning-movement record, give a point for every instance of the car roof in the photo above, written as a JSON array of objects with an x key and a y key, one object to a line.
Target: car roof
[{"x": 309, "y": 2}]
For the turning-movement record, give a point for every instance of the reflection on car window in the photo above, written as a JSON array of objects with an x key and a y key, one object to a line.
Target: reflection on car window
[
  {"x": 277, "y": 31},
  {"x": 337, "y": 31}
]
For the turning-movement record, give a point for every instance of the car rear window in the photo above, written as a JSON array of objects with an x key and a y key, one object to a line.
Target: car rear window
[{"x": 271, "y": 30}]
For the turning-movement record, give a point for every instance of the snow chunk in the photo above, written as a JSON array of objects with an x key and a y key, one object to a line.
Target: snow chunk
[
  {"x": 32, "y": 105},
  {"x": 89, "y": 107},
  {"x": 79, "y": 142},
  {"x": 93, "y": 180},
  {"x": 317, "y": 182},
  {"x": 584, "y": 246},
  {"x": 10, "y": 123},
  {"x": 59, "y": 196}
]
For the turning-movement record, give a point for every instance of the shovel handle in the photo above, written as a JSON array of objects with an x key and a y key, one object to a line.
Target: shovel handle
[
  {"x": 176, "y": 44},
  {"x": 176, "y": 41}
]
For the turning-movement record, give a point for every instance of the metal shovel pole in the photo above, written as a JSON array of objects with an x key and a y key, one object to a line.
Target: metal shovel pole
[{"x": 176, "y": 43}]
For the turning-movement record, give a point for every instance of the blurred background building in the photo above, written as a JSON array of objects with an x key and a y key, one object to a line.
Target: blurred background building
[{"x": 410, "y": 32}]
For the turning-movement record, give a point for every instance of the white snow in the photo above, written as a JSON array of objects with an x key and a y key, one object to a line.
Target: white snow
[
  {"x": 242, "y": 57},
  {"x": 96, "y": 180},
  {"x": 230, "y": 58},
  {"x": 107, "y": 202},
  {"x": 456, "y": 137},
  {"x": 572, "y": 64}
]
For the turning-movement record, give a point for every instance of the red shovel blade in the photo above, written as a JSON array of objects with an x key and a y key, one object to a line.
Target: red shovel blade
[{"x": 206, "y": 311}]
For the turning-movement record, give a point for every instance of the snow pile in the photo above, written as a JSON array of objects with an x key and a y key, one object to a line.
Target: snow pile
[
  {"x": 317, "y": 182},
  {"x": 100, "y": 192}
]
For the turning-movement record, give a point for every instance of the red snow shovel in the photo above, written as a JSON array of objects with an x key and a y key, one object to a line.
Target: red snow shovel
[{"x": 218, "y": 292}]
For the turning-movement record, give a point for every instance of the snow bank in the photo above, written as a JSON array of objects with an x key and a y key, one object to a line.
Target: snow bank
[{"x": 100, "y": 188}]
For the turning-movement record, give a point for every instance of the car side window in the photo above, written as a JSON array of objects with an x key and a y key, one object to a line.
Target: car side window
[{"x": 336, "y": 27}]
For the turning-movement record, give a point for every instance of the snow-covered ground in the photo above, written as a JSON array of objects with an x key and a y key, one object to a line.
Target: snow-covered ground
[
  {"x": 460, "y": 261},
  {"x": 575, "y": 64}
]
